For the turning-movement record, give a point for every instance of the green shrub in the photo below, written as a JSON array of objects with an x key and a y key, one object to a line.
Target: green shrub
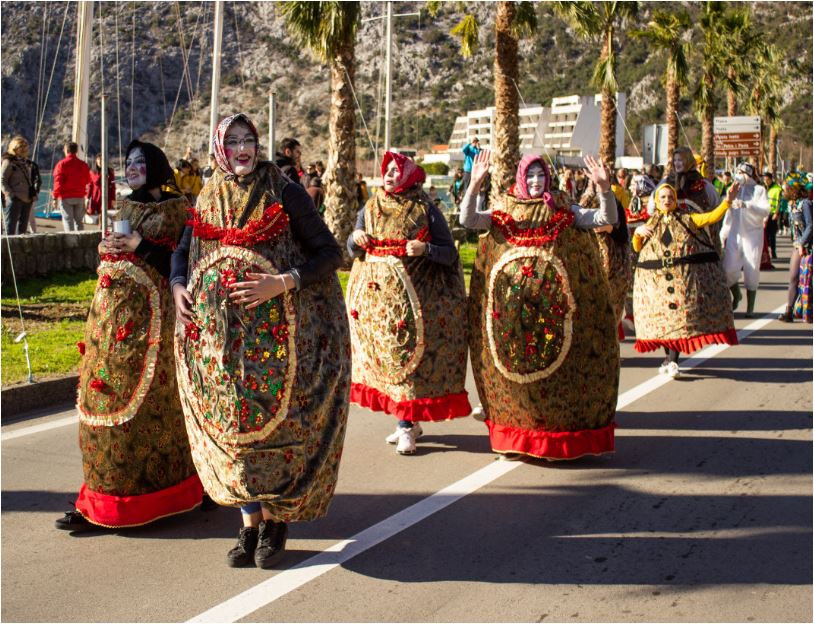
[{"x": 436, "y": 168}]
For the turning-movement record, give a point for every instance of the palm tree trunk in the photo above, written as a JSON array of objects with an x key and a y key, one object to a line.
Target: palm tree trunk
[
  {"x": 506, "y": 142},
  {"x": 707, "y": 144},
  {"x": 607, "y": 137},
  {"x": 773, "y": 150},
  {"x": 731, "y": 103},
  {"x": 340, "y": 189},
  {"x": 672, "y": 118}
]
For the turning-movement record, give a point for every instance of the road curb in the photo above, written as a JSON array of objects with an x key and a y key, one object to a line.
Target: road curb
[{"x": 24, "y": 398}]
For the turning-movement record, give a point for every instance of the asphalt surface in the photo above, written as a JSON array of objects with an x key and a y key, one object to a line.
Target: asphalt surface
[{"x": 704, "y": 513}]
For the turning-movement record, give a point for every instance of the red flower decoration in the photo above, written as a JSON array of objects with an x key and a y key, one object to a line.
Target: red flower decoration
[
  {"x": 98, "y": 384},
  {"x": 268, "y": 227},
  {"x": 528, "y": 270},
  {"x": 192, "y": 331},
  {"x": 401, "y": 324},
  {"x": 394, "y": 246},
  {"x": 532, "y": 237},
  {"x": 531, "y": 350},
  {"x": 81, "y": 347},
  {"x": 373, "y": 285},
  {"x": 105, "y": 281},
  {"x": 495, "y": 315},
  {"x": 354, "y": 314},
  {"x": 122, "y": 333}
]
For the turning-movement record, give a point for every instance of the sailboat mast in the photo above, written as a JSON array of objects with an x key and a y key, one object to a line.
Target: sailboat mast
[
  {"x": 388, "y": 79},
  {"x": 216, "y": 57},
  {"x": 84, "y": 33}
]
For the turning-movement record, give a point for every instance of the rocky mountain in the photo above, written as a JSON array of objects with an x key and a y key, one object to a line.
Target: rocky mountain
[{"x": 153, "y": 59}]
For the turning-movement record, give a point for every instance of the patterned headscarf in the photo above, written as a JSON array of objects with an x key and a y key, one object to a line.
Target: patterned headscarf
[
  {"x": 411, "y": 174},
  {"x": 521, "y": 189},
  {"x": 656, "y": 196},
  {"x": 218, "y": 148}
]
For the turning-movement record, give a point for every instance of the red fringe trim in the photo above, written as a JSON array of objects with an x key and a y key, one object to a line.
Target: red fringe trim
[
  {"x": 551, "y": 444},
  {"x": 269, "y": 226},
  {"x": 394, "y": 246},
  {"x": 532, "y": 237},
  {"x": 429, "y": 409},
  {"x": 688, "y": 345},
  {"x": 127, "y": 511}
]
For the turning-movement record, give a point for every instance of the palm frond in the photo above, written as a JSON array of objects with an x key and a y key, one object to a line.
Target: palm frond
[
  {"x": 324, "y": 27},
  {"x": 525, "y": 21},
  {"x": 467, "y": 32}
]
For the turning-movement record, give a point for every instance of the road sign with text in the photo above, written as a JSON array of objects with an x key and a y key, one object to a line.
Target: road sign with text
[{"x": 736, "y": 136}]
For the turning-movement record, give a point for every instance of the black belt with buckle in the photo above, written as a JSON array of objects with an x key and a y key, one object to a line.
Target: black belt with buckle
[{"x": 669, "y": 261}]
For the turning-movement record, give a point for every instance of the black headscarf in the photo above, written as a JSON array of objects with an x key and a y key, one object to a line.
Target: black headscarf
[{"x": 159, "y": 172}]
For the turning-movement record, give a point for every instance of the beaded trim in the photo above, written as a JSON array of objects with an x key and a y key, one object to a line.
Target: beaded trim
[
  {"x": 269, "y": 226},
  {"x": 394, "y": 246},
  {"x": 138, "y": 275},
  {"x": 545, "y": 255},
  {"x": 532, "y": 237}
]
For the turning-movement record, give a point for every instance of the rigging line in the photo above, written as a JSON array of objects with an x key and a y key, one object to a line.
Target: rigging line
[
  {"x": 118, "y": 92},
  {"x": 380, "y": 95},
  {"x": 536, "y": 129},
  {"x": 237, "y": 37},
  {"x": 353, "y": 92},
  {"x": 133, "y": 75},
  {"x": 53, "y": 68},
  {"x": 684, "y": 132},
  {"x": 630, "y": 136},
  {"x": 41, "y": 74},
  {"x": 184, "y": 53},
  {"x": 161, "y": 77},
  {"x": 202, "y": 44}
]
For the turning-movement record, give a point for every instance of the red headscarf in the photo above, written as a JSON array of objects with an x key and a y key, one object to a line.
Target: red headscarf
[
  {"x": 521, "y": 189},
  {"x": 411, "y": 174},
  {"x": 218, "y": 148}
]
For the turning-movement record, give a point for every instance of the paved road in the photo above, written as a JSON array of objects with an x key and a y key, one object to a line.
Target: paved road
[{"x": 704, "y": 513}]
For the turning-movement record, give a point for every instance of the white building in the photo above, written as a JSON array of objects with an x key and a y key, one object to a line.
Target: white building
[{"x": 568, "y": 129}]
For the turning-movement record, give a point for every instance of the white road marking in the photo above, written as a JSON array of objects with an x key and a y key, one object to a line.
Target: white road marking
[
  {"x": 26, "y": 431},
  {"x": 291, "y": 579}
]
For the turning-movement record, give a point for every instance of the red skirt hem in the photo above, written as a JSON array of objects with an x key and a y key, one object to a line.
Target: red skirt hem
[
  {"x": 688, "y": 345},
  {"x": 433, "y": 409},
  {"x": 127, "y": 511},
  {"x": 551, "y": 444}
]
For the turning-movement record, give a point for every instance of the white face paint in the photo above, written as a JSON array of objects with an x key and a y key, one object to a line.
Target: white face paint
[
  {"x": 678, "y": 163},
  {"x": 535, "y": 180},
  {"x": 135, "y": 168},
  {"x": 240, "y": 146},
  {"x": 392, "y": 177}
]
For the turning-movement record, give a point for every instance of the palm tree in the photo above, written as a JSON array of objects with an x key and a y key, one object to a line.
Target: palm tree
[
  {"x": 597, "y": 22},
  {"x": 665, "y": 32},
  {"x": 766, "y": 98},
  {"x": 714, "y": 69},
  {"x": 744, "y": 45},
  {"x": 329, "y": 30},
  {"x": 512, "y": 20}
]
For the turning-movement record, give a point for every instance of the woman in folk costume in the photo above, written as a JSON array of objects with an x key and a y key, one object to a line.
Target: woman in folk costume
[
  {"x": 799, "y": 292},
  {"x": 613, "y": 242},
  {"x": 264, "y": 359},
  {"x": 693, "y": 189},
  {"x": 542, "y": 329},
  {"x": 742, "y": 234},
  {"x": 407, "y": 304},
  {"x": 135, "y": 451},
  {"x": 680, "y": 300}
]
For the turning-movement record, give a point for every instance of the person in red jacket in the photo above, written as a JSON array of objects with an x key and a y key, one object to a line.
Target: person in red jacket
[
  {"x": 94, "y": 193},
  {"x": 71, "y": 179}
]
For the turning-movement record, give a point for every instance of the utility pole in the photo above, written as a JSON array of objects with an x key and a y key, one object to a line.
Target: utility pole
[{"x": 216, "y": 58}]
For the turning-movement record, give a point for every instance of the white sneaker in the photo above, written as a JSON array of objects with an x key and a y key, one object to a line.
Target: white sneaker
[
  {"x": 394, "y": 437},
  {"x": 673, "y": 370},
  {"x": 406, "y": 445},
  {"x": 665, "y": 366},
  {"x": 478, "y": 413}
]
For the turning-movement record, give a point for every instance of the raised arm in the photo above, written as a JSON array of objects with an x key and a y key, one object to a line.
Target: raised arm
[
  {"x": 586, "y": 218},
  {"x": 470, "y": 216}
]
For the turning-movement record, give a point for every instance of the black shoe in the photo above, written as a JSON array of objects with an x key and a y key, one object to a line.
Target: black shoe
[
  {"x": 73, "y": 521},
  {"x": 207, "y": 504},
  {"x": 243, "y": 552},
  {"x": 271, "y": 544}
]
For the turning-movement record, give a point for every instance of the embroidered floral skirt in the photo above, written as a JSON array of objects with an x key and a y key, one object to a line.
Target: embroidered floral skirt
[
  {"x": 265, "y": 391},
  {"x": 408, "y": 330},
  {"x": 543, "y": 346},
  {"x": 135, "y": 452}
]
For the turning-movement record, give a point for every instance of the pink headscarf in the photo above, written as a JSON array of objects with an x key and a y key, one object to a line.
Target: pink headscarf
[
  {"x": 411, "y": 173},
  {"x": 521, "y": 189},
  {"x": 218, "y": 148}
]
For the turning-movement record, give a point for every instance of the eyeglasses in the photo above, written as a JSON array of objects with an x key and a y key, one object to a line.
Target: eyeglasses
[{"x": 248, "y": 141}]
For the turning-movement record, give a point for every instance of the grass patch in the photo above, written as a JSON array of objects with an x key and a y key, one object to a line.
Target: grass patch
[
  {"x": 56, "y": 288},
  {"x": 53, "y": 352}
]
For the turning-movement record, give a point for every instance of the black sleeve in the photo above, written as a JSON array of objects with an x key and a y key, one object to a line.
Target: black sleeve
[
  {"x": 157, "y": 256},
  {"x": 353, "y": 249},
  {"x": 323, "y": 252},
  {"x": 442, "y": 248},
  {"x": 180, "y": 259}
]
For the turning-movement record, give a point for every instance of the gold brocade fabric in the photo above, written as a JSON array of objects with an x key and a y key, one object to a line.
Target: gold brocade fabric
[
  {"x": 408, "y": 314},
  {"x": 682, "y": 301},
  {"x": 543, "y": 342},
  {"x": 265, "y": 391},
  {"x": 131, "y": 430},
  {"x": 617, "y": 263}
]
